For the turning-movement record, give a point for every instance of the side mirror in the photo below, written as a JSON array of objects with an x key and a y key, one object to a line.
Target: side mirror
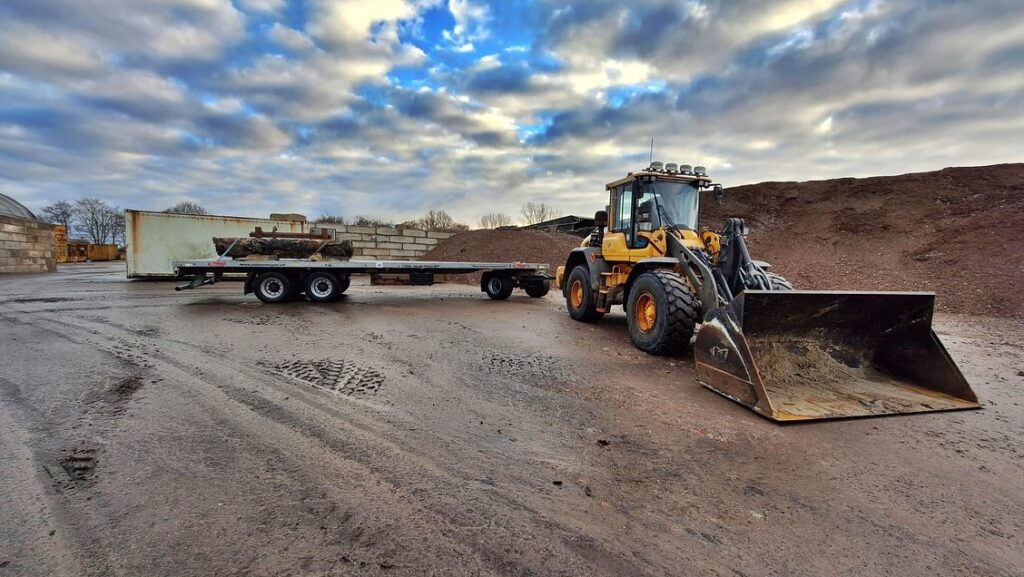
[
  {"x": 719, "y": 195},
  {"x": 601, "y": 219}
]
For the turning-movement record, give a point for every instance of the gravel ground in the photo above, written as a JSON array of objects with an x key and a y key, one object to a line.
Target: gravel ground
[{"x": 416, "y": 431}]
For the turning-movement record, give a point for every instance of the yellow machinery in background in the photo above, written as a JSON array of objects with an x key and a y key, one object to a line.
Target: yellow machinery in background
[{"x": 787, "y": 354}]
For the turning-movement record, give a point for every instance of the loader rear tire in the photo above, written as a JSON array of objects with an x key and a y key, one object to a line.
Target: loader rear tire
[
  {"x": 778, "y": 282},
  {"x": 579, "y": 297},
  {"x": 661, "y": 312}
]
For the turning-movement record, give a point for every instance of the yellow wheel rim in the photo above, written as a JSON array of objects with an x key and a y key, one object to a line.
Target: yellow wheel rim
[
  {"x": 646, "y": 312},
  {"x": 576, "y": 294}
]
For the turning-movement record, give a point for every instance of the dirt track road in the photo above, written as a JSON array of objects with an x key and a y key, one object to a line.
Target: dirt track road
[{"x": 148, "y": 432}]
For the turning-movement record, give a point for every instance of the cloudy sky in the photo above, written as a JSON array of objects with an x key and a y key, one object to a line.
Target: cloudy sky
[{"x": 393, "y": 107}]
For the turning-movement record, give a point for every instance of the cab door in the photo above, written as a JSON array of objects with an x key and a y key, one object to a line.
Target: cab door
[{"x": 620, "y": 225}]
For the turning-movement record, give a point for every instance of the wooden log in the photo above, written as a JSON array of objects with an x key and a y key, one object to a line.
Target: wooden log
[{"x": 283, "y": 247}]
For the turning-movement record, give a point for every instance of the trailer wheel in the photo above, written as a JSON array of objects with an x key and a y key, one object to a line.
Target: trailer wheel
[
  {"x": 538, "y": 289},
  {"x": 322, "y": 287},
  {"x": 343, "y": 283},
  {"x": 499, "y": 287},
  {"x": 272, "y": 287}
]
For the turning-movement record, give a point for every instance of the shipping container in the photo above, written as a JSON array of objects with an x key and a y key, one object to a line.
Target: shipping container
[
  {"x": 156, "y": 239},
  {"x": 102, "y": 252}
]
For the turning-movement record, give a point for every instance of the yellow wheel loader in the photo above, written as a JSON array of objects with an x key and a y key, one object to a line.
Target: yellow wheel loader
[{"x": 789, "y": 355}]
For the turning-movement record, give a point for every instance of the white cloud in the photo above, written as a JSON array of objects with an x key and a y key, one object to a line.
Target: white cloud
[
  {"x": 272, "y": 6},
  {"x": 36, "y": 51},
  {"x": 470, "y": 19},
  {"x": 291, "y": 38},
  {"x": 352, "y": 22}
]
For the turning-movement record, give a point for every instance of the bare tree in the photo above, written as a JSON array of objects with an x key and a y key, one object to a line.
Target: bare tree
[
  {"x": 118, "y": 236},
  {"x": 187, "y": 207},
  {"x": 495, "y": 220},
  {"x": 61, "y": 212},
  {"x": 436, "y": 220},
  {"x": 371, "y": 221},
  {"x": 440, "y": 220},
  {"x": 330, "y": 219},
  {"x": 97, "y": 221},
  {"x": 534, "y": 213}
]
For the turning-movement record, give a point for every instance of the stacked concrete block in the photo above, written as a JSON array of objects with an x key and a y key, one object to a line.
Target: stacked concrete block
[
  {"x": 388, "y": 242},
  {"x": 26, "y": 245}
]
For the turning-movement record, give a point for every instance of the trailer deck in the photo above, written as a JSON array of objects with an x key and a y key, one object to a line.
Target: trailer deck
[{"x": 325, "y": 280}]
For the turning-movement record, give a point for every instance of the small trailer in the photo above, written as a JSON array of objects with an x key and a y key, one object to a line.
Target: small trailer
[{"x": 324, "y": 281}]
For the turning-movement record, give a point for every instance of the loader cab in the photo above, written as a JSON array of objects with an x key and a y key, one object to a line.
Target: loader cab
[{"x": 659, "y": 197}]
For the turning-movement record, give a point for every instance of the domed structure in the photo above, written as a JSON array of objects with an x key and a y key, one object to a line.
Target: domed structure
[{"x": 11, "y": 207}]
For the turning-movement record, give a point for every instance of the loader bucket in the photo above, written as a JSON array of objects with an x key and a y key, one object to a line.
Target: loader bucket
[{"x": 803, "y": 355}]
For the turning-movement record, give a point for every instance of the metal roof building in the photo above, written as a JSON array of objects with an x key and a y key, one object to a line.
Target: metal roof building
[
  {"x": 578, "y": 225},
  {"x": 11, "y": 207}
]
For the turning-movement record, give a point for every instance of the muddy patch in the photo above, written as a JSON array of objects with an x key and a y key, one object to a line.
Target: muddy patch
[
  {"x": 340, "y": 376},
  {"x": 256, "y": 319}
]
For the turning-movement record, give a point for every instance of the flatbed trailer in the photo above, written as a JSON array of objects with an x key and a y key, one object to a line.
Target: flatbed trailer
[{"x": 275, "y": 281}]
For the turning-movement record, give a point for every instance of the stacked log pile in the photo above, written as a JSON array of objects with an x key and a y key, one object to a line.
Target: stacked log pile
[{"x": 284, "y": 248}]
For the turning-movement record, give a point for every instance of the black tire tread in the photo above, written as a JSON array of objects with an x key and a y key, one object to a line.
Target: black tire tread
[
  {"x": 683, "y": 312},
  {"x": 588, "y": 313},
  {"x": 507, "y": 286},
  {"x": 538, "y": 291},
  {"x": 288, "y": 284},
  {"x": 778, "y": 282}
]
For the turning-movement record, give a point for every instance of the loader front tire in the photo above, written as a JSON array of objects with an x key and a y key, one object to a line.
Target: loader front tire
[
  {"x": 661, "y": 312},
  {"x": 778, "y": 282},
  {"x": 579, "y": 297}
]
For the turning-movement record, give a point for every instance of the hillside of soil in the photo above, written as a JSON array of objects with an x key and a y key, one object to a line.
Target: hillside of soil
[
  {"x": 954, "y": 232},
  {"x": 504, "y": 246}
]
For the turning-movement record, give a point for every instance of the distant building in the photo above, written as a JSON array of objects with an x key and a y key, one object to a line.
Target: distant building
[{"x": 578, "y": 225}]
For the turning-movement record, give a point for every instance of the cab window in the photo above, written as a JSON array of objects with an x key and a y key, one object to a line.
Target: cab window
[{"x": 623, "y": 209}]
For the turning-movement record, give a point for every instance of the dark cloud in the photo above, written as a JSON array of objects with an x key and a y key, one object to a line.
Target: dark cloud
[{"x": 509, "y": 79}]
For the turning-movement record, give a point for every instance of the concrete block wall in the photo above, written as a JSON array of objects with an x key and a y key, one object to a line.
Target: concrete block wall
[
  {"x": 388, "y": 243},
  {"x": 26, "y": 246}
]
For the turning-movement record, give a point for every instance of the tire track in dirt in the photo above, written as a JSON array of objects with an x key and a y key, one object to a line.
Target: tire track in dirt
[{"x": 452, "y": 511}]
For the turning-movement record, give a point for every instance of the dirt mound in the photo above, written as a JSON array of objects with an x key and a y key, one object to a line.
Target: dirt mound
[
  {"x": 504, "y": 246},
  {"x": 952, "y": 232}
]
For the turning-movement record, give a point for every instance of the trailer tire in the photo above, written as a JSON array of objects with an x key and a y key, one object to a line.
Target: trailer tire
[
  {"x": 343, "y": 283},
  {"x": 273, "y": 287},
  {"x": 322, "y": 287},
  {"x": 499, "y": 287},
  {"x": 661, "y": 312},
  {"x": 539, "y": 289}
]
